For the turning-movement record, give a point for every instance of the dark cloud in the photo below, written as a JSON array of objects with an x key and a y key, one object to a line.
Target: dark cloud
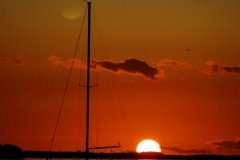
[
  {"x": 214, "y": 68},
  {"x": 233, "y": 69},
  {"x": 16, "y": 61},
  {"x": 187, "y": 151},
  {"x": 20, "y": 61},
  {"x": 174, "y": 63},
  {"x": 227, "y": 144},
  {"x": 131, "y": 66},
  {"x": 4, "y": 60}
]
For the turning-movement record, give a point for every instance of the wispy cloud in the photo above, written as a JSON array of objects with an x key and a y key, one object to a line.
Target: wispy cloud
[
  {"x": 131, "y": 66},
  {"x": 211, "y": 67},
  {"x": 66, "y": 63},
  {"x": 179, "y": 150},
  {"x": 227, "y": 144},
  {"x": 174, "y": 63},
  {"x": 16, "y": 61}
]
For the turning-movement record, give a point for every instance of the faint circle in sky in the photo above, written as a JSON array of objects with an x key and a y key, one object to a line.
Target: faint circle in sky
[{"x": 71, "y": 13}]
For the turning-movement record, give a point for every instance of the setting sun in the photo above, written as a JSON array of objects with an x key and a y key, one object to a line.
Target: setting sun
[{"x": 148, "y": 145}]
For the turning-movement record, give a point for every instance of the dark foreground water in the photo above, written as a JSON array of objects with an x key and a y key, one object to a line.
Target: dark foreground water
[
  {"x": 89, "y": 159},
  {"x": 225, "y": 158}
]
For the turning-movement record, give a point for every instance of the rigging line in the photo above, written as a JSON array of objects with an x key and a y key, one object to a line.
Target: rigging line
[
  {"x": 80, "y": 82},
  {"x": 79, "y": 125},
  {"x": 67, "y": 84},
  {"x": 105, "y": 51},
  {"x": 114, "y": 81},
  {"x": 83, "y": 47},
  {"x": 100, "y": 33},
  {"x": 94, "y": 54},
  {"x": 83, "y": 56}
]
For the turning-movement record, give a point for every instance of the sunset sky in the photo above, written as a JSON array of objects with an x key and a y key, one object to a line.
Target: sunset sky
[{"x": 168, "y": 70}]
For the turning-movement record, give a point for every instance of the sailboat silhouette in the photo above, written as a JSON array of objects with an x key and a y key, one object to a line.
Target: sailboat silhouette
[
  {"x": 87, "y": 148},
  {"x": 87, "y": 86}
]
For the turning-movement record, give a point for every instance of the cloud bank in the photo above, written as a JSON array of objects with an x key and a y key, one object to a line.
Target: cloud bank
[
  {"x": 16, "y": 61},
  {"x": 130, "y": 66},
  {"x": 227, "y": 144},
  {"x": 134, "y": 66},
  {"x": 213, "y": 68},
  {"x": 187, "y": 151}
]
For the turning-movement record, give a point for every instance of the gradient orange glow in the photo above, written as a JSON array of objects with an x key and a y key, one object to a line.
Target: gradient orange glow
[{"x": 169, "y": 70}]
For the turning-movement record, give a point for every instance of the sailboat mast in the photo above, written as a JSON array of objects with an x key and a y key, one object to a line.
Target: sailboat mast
[{"x": 88, "y": 77}]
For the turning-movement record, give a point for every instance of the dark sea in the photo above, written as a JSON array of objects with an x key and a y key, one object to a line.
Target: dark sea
[
  {"x": 84, "y": 159},
  {"x": 91, "y": 159}
]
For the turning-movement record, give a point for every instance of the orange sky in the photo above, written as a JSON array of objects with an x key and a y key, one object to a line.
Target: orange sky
[{"x": 170, "y": 71}]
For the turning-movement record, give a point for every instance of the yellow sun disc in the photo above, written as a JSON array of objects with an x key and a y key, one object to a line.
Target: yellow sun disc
[{"x": 148, "y": 145}]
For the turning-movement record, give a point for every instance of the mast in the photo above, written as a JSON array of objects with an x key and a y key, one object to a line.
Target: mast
[
  {"x": 88, "y": 86},
  {"x": 88, "y": 77}
]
